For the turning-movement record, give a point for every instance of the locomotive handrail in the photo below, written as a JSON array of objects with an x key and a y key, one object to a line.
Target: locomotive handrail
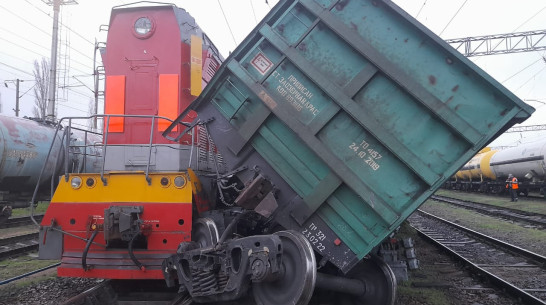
[
  {"x": 40, "y": 177},
  {"x": 105, "y": 138},
  {"x": 150, "y": 153},
  {"x": 65, "y": 147}
]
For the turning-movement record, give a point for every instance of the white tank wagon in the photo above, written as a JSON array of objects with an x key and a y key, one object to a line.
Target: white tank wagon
[
  {"x": 488, "y": 170},
  {"x": 526, "y": 162}
]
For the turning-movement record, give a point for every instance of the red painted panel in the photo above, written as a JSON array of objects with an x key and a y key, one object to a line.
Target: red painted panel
[
  {"x": 170, "y": 222},
  {"x": 168, "y": 99},
  {"x": 77, "y": 271},
  {"x": 115, "y": 102}
]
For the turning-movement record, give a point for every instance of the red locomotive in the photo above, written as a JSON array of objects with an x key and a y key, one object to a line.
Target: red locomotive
[{"x": 124, "y": 220}]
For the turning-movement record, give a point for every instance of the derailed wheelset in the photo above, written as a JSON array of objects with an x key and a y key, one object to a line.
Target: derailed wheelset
[{"x": 279, "y": 268}]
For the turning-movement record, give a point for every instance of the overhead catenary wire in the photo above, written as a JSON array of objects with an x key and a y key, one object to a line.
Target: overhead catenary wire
[
  {"x": 419, "y": 12},
  {"x": 528, "y": 80},
  {"x": 61, "y": 23},
  {"x": 225, "y": 18},
  {"x": 253, "y": 11},
  {"x": 522, "y": 70},
  {"x": 39, "y": 54},
  {"x": 529, "y": 19},
  {"x": 46, "y": 49},
  {"x": 450, "y": 20},
  {"x": 36, "y": 27},
  {"x": 14, "y": 68}
]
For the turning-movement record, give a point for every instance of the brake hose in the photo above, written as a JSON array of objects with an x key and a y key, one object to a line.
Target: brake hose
[
  {"x": 86, "y": 250},
  {"x": 132, "y": 255}
]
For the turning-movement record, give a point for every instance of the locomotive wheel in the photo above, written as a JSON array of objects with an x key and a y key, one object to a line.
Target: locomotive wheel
[
  {"x": 205, "y": 232},
  {"x": 296, "y": 285},
  {"x": 379, "y": 280}
]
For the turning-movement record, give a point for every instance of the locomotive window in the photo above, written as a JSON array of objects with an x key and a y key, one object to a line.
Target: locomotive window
[{"x": 143, "y": 26}]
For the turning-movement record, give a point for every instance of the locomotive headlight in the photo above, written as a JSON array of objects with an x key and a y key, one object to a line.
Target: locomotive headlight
[
  {"x": 143, "y": 26},
  {"x": 179, "y": 181},
  {"x": 76, "y": 182}
]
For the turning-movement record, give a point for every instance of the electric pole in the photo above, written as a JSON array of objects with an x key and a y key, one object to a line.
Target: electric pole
[
  {"x": 17, "y": 96},
  {"x": 53, "y": 61}
]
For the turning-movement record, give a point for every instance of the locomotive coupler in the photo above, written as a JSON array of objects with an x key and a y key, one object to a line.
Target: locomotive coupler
[
  {"x": 224, "y": 272},
  {"x": 123, "y": 223}
]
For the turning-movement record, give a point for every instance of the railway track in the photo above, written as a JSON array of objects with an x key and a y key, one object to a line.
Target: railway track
[
  {"x": 19, "y": 221},
  {"x": 18, "y": 244},
  {"x": 534, "y": 219},
  {"x": 125, "y": 292},
  {"x": 512, "y": 269}
]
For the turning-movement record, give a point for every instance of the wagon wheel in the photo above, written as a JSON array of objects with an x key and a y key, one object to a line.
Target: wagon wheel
[
  {"x": 205, "y": 232},
  {"x": 296, "y": 285},
  {"x": 5, "y": 213},
  {"x": 379, "y": 280}
]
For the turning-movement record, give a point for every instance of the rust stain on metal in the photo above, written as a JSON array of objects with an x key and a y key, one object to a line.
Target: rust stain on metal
[
  {"x": 503, "y": 113},
  {"x": 432, "y": 79},
  {"x": 268, "y": 100},
  {"x": 341, "y": 5},
  {"x": 354, "y": 26},
  {"x": 449, "y": 99},
  {"x": 406, "y": 40},
  {"x": 454, "y": 89}
]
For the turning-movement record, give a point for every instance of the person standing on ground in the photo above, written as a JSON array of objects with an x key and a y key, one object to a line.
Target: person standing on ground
[{"x": 513, "y": 187}]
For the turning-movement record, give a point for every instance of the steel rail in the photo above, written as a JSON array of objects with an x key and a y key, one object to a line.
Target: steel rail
[
  {"x": 517, "y": 292},
  {"x": 18, "y": 250},
  {"x": 493, "y": 210},
  {"x": 539, "y": 259},
  {"x": 18, "y": 238},
  {"x": 92, "y": 295},
  {"x": 28, "y": 274},
  {"x": 19, "y": 221}
]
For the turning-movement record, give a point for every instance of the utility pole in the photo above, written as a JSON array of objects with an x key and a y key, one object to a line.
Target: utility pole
[
  {"x": 96, "y": 83},
  {"x": 17, "y": 96},
  {"x": 53, "y": 61},
  {"x": 17, "y": 81}
]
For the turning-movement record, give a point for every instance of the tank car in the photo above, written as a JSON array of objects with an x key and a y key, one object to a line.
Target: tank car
[
  {"x": 122, "y": 220},
  {"x": 476, "y": 174},
  {"x": 525, "y": 162},
  {"x": 25, "y": 146},
  {"x": 488, "y": 170}
]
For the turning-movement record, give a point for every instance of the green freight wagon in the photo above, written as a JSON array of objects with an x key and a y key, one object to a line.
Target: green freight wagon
[{"x": 337, "y": 119}]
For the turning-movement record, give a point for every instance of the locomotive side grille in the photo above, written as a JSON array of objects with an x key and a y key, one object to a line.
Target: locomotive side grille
[
  {"x": 212, "y": 67},
  {"x": 207, "y": 152}
]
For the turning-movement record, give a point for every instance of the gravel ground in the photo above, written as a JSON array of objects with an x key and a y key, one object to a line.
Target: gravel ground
[
  {"x": 441, "y": 281},
  {"x": 44, "y": 289},
  {"x": 438, "y": 281}
]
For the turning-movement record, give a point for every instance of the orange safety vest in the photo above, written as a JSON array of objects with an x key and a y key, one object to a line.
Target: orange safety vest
[{"x": 513, "y": 184}]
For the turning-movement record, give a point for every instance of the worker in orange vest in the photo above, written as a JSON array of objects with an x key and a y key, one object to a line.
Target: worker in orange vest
[{"x": 512, "y": 186}]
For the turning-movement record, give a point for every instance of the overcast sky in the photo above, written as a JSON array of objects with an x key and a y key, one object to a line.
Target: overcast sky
[{"x": 25, "y": 36}]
